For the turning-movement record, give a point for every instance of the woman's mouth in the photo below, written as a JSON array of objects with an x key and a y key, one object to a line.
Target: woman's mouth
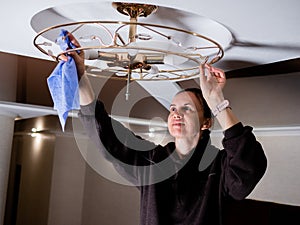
[{"x": 177, "y": 124}]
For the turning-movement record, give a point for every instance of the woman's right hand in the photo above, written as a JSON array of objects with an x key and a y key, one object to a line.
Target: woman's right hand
[
  {"x": 78, "y": 57},
  {"x": 86, "y": 92}
]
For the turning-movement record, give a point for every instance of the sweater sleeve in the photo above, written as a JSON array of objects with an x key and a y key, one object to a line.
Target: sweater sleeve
[
  {"x": 116, "y": 143},
  {"x": 244, "y": 161}
]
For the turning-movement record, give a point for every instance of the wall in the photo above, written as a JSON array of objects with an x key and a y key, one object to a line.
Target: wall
[
  {"x": 271, "y": 101},
  {"x": 8, "y": 77},
  {"x": 281, "y": 181},
  {"x": 271, "y": 104},
  {"x": 68, "y": 183},
  {"x": 51, "y": 183},
  {"x": 30, "y": 179}
]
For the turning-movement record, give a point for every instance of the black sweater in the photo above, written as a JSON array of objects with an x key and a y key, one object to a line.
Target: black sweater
[{"x": 189, "y": 191}]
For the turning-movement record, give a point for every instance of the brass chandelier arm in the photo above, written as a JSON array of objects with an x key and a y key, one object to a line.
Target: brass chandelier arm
[
  {"x": 145, "y": 76},
  {"x": 217, "y": 45},
  {"x": 117, "y": 51}
]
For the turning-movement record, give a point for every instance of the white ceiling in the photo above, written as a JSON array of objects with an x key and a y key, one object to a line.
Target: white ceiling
[{"x": 265, "y": 31}]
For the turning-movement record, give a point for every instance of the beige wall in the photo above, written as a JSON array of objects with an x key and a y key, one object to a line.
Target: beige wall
[
  {"x": 57, "y": 185},
  {"x": 8, "y": 77},
  {"x": 272, "y": 106},
  {"x": 67, "y": 187},
  {"x": 35, "y": 156}
]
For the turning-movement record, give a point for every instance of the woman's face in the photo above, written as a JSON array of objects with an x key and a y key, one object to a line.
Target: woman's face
[{"x": 186, "y": 116}]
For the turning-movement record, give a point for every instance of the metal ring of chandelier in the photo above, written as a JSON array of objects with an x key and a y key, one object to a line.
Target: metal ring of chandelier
[{"x": 134, "y": 50}]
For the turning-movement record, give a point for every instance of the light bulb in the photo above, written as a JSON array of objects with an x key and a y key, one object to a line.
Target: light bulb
[{"x": 154, "y": 69}]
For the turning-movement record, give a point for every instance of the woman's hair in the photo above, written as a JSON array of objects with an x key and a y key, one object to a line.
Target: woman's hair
[{"x": 198, "y": 93}]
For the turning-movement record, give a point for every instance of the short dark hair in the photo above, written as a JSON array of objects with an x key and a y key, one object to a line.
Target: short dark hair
[{"x": 198, "y": 93}]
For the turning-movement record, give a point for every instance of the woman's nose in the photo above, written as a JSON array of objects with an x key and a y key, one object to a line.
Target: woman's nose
[{"x": 177, "y": 115}]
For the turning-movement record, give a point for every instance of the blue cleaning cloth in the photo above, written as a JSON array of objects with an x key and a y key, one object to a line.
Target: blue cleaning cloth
[{"x": 63, "y": 83}]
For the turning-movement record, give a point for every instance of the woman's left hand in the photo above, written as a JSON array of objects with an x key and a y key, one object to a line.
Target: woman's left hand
[{"x": 212, "y": 82}]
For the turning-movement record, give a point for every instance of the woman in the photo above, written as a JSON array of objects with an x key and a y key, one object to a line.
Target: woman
[{"x": 188, "y": 181}]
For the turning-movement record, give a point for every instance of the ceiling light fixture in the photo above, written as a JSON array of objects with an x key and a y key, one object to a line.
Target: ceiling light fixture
[{"x": 134, "y": 50}]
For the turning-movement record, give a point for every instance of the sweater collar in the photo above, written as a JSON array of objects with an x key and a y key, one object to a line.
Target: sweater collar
[{"x": 193, "y": 158}]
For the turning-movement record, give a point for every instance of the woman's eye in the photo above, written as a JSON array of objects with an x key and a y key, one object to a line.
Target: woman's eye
[{"x": 172, "y": 109}]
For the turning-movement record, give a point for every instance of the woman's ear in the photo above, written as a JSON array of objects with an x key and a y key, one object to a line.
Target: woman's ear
[{"x": 207, "y": 123}]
